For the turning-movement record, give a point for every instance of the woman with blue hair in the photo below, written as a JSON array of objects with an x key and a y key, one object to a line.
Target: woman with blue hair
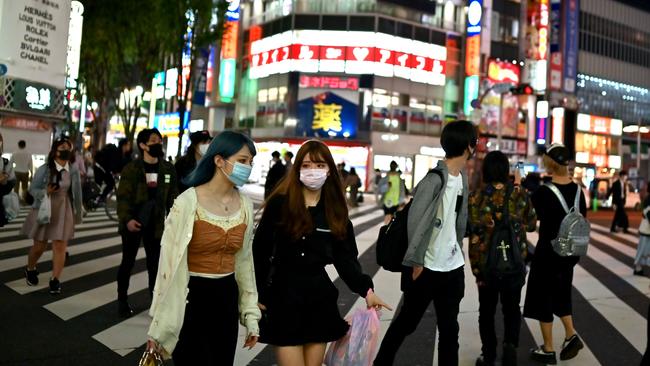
[{"x": 206, "y": 278}]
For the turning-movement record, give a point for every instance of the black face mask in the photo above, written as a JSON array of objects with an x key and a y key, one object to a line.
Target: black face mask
[
  {"x": 156, "y": 150},
  {"x": 65, "y": 154}
]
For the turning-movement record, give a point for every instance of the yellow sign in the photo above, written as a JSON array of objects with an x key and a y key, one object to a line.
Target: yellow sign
[{"x": 327, "y": 117}]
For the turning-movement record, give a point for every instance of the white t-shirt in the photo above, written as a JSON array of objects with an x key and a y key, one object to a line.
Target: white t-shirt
[{"x": 444, "y": 254}]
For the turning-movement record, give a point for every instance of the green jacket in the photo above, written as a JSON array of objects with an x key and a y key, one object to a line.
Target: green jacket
[{"x": 132, "y": 194}]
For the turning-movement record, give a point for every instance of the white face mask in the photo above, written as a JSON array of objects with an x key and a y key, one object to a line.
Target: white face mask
[
  {"x": 203, "y": 148},
  {"x": 313, "y": 179}
]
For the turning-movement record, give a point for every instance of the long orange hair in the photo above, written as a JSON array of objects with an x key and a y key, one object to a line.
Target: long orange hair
[{"x": 296, "y": 220}]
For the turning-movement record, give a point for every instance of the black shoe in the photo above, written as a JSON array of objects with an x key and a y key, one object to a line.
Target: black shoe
[
  {"x": 31, "y": 277},
  {"x": 626, "y": 231},
  {"x": 571, "y": 347},
  {"x": 540, "y": 355},
  {"x": 482, "y": 361},
  {"x": 124, "y": 309},
  {"x": 509, "y": 355},
  {"x": 55, "y": 286},
  {"x": 613, "y": 231},
  {"x": 638, "y": 273}
]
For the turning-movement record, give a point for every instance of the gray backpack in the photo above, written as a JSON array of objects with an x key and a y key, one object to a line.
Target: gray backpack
[{"x": 573, "y": 236}]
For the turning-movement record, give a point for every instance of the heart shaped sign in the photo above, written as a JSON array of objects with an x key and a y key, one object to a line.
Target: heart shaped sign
[{"x": 360, "y": 53}]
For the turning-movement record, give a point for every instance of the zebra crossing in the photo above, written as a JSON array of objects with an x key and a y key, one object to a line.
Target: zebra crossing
[{"x": 81, "y": 325}]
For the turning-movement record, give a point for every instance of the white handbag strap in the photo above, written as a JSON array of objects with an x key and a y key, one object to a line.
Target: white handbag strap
[
  {"x": 576, "y": 203},
  {"x": 559, "y": 196}
]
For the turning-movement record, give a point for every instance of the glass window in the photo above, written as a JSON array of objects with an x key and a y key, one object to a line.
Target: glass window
[
  {"x": 335, "y": 22},
  {"x": 386, "y": 26},
  {"x": 421, "y": 34},
  {"x": 404, "y": 30},
  {"x": 303, "y": 21},
  {"x": 362, "y": 23}
]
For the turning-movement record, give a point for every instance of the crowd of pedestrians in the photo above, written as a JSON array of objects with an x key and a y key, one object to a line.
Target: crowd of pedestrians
[{"x": 210, "y": 269}]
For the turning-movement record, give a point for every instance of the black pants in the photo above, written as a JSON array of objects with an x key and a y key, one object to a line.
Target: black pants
[
  {"x": 488, "y": 297},
  {"x": 130, "y": 245},
  {"x": 445, "y": 289},
  {"x": 620, "y": 218},
  {"x": 210, "y": 326}
]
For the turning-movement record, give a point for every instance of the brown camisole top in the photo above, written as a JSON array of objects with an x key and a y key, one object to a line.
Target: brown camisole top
[{"x": 215, "y": 242}]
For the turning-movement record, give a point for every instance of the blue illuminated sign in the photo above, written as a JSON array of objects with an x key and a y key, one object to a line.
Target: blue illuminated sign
[
  {"x": 327, "y": 115},
  {"x": 474, "y": 15}
]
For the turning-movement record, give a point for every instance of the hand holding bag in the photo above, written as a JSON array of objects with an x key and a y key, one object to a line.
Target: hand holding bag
[
  {"x": 150, "y": 358},
  {"x": 11, "y": 205},
  {"x": 44, "y": 211},
  {"x": 359, "y": 346}
]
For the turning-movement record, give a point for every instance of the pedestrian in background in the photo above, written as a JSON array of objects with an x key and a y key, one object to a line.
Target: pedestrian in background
[
  {"x": 391, "y": 185},
  {"x": 126, "y": 154},
  {"x": 206, "y": 250},
  {"x": 199, "y": 142},
  {"x": 304, "y": 227},
  {"x": 619, "y": 196},
  {"x": 21, "y": 160},
  {"x": 490, "y": 221},
  {"x": 58, "y": 181},
  {"x": 375, "y": 186},
  {"x": 642, "y": 257},
  {"x": 288, "y": 156},
  {"x": 275, "y": 174},
  {"x": 551, "y": 276},
  {"x": 7, "y": 182},
  {"x": 354, "y": 183},
  {"x": 147, "y": 191},
  {"x": 434, "y": 260}
]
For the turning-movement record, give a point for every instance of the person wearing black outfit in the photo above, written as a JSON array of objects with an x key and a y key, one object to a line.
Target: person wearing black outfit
[
  {"x": 126, "y": 154},
  {"x": 199, "y": 142},
  {"x": 304, "y": 227},
  {"x": 551, "y": 276},
  {"x": 146, "y": 193},
  {"x": 275, "y": 174},
  {"x": 106, "y": 164},
  {"x": 619, "y": 195}
]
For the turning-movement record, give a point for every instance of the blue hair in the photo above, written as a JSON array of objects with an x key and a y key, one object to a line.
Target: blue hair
[{"x": 226, "y": 144}]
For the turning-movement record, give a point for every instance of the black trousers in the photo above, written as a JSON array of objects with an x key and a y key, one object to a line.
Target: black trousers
[
  {"x": 488, "y": 297},
  {"x": 445, "y": 289},
  {"x": 130, "y": 245},
  {"x": 620, "y": 218},
  {"x": 210, "y": 326},
  {"x": 105, "y": 178}
]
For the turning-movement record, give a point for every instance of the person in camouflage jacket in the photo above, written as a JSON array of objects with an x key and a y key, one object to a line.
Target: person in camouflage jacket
[{"x": 482, "y": 204}]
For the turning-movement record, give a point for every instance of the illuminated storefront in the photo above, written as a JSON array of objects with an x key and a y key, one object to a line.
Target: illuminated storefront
[{"x": 597, "y": 146}]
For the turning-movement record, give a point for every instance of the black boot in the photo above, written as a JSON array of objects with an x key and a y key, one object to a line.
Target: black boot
[{"x": 124, "y": 309}]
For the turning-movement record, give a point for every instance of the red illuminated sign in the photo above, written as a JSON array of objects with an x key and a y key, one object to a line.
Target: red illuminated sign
[
  {"x": 473, "y": 55},
  {"x": 503, "y": 72},
  {"x": 329, "y": 82}
]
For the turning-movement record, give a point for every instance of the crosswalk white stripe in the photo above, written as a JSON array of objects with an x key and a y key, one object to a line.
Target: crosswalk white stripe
[
  {"x": 363, "y": 243},
  {"x": 627, "y": 321},
  {"x": 633, "y": 238},
  {"x": 21, "y": 261},
  {"x": 26, "y": 243},
  {"x": 616, "y": 245},
  {"x": 72, "y": 272},
  {"x": 86, "y": 301},
  {"x": 89, "y": 226},
  {"x": 121, "y": 337},
  {"x": 18, "y": 225}
]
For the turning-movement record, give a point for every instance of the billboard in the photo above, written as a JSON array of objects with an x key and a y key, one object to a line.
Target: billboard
[
  {"x": 327, "y": 115},
  {"x": 472, "y": 54},
  {"x": 350, "y": 52},
  {"x": 34, "y": 40},
  {"x": 571, "y": 32}
]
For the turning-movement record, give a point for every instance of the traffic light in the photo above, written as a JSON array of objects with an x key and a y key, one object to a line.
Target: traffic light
[{"x": 522, "y": 89}]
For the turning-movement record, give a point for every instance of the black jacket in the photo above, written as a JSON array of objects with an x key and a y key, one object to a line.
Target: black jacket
[
  {"x": 184, "y": 167},
  {"x": 310, "y": 253},
  {"x": 275, "y": 174},
  {"x": 616, "y": 193}
]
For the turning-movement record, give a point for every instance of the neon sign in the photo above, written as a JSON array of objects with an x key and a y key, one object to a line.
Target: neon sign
[
  {"x": 328, "y": 82},
  {"x": 503, "y": 72},
  {"x": 348, "y": 52},
  {"x": 472, "y": 53}
]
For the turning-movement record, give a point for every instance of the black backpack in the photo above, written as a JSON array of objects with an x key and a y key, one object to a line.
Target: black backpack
[
  {"x": 504, "y": 264},
  {"x": 392, "y": 241}
]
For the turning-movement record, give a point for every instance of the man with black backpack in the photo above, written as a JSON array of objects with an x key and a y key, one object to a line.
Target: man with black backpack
[
  {"x": 499, "y": 216},
  {"x": 434, "y": 261}
]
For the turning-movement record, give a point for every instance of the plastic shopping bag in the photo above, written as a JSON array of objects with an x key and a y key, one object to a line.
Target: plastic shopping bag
[
  {"x": 12, "y": 205},
  {"x": 359, "y": 345},
  {"x": 44, "y": 211}
]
